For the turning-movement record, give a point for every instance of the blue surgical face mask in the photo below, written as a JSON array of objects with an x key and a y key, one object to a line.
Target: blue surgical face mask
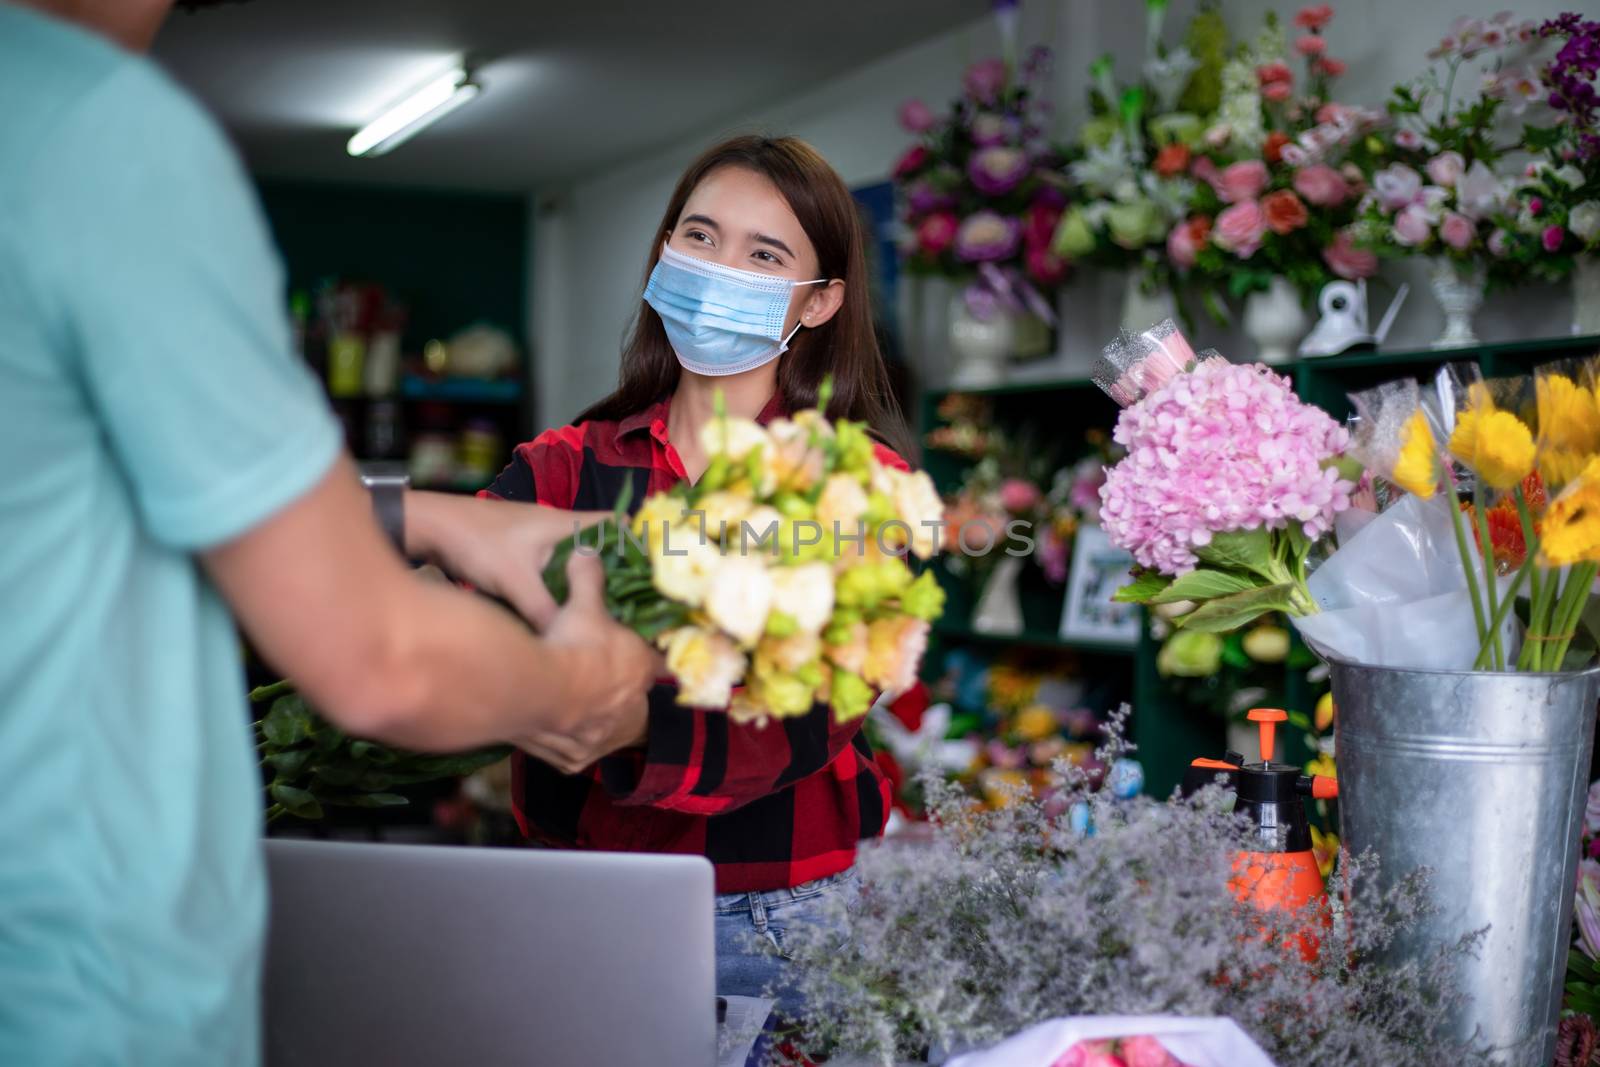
[{"x": 720, "y": 320}]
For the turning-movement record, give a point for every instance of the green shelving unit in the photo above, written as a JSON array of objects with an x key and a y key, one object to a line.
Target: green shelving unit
[{"x": 1168, "y": 735}]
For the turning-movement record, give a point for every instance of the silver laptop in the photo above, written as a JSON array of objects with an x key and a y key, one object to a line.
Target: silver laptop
[{"x": 407, "y": 955}]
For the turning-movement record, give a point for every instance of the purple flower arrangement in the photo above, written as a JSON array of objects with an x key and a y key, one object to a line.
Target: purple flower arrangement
[
  {"x": 1571, "y": 78},
  {"x": 982, "y": 189}
]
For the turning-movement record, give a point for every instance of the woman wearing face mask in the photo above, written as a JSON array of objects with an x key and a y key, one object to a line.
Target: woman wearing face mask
[{"x": 756, "y": 288}]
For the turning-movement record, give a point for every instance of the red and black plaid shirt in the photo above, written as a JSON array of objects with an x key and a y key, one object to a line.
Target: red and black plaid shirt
[{"x": 770, "y": 806}]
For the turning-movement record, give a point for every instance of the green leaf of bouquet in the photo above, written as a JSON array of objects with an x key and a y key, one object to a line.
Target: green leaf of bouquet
[
  {"x": 1145, "y": 584},
  {"x": 378, "y": 800},
  {"x": 1244, "y": 550},
  {"x": 337, "y": 773},
  {"x": 1582, "y": 966},
  {"x": 295, "y": 801},
  {"x": 287, "y": 722},
  {"x": 1203, "y": 584},
  {"x": 289, "y": 764},
  {"x": 1229, "y": 612},
  {"x": 266, "y": 693}
]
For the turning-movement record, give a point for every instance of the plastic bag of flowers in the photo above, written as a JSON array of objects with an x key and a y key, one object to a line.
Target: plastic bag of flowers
[{"x": 1083, "y": 905}]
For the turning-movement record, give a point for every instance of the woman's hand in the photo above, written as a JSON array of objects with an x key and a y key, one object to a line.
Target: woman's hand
[{"x": 497, "y": 546}]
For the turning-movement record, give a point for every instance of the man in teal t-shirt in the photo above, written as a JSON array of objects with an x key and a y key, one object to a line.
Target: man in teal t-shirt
[{"x": 164, "y": 457}]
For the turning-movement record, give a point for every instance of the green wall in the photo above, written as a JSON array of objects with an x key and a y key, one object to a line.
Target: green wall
[{"x": 452, "y": 258}]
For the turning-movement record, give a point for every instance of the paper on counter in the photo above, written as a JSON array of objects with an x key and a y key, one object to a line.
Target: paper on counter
[{"x": 740, "y": 1029}]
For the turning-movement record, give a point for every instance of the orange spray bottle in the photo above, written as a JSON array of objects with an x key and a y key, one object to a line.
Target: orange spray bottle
[{"x": 1282, "y": 872}]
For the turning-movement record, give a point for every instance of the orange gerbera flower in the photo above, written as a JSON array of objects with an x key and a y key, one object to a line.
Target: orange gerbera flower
[
  {"x": 1533, "y": 491},
  {"x": 1510, "y": 548}
]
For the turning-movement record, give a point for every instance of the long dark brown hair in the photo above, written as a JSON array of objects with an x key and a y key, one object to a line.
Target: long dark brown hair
[{"x": 845, "y": 346}]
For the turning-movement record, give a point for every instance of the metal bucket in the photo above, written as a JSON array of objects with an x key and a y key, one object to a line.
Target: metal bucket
[{"x": 1482, "y": 778}]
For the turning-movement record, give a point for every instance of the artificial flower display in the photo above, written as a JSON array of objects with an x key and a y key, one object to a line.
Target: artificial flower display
[
  {"x": 1130, "y": 174},
  {"x": 1440, "y": 185},
  {"x": 982, "y": 190},
  {"x": 1277, "y": 177}
]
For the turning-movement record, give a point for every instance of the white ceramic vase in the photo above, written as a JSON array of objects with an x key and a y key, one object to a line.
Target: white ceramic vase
[
  {"x": 999, "y": 609},
  {"x": 1276, "y": 321},
  {"x": 1142, "y": 310},
  {"x": 1586, "y": 297},
  {"x": 981, "y": 346},
  {"x": 1459, "y": 290}
]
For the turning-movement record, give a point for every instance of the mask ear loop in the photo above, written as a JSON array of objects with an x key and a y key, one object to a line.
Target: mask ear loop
[{"x": 790, "y": 337}]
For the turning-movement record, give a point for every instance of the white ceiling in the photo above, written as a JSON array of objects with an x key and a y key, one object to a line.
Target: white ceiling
[{"x": 569, "y": 88}]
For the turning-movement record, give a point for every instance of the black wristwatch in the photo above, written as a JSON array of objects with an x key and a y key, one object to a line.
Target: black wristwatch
[{"x": 388, "y": 491}]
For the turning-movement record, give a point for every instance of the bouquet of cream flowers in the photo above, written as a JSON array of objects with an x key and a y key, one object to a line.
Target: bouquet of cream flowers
[{"x": 780, "y": 578}]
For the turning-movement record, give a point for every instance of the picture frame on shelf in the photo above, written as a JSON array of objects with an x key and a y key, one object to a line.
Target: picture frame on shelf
[{"x": 1098, "y": 569}]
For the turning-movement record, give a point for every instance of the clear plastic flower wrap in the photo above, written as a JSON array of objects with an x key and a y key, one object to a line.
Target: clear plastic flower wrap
[
  {"x": 1137, "y": 364},
  {"x": 1394, "y": 592},
  {"x": 1436, "y": 580}
]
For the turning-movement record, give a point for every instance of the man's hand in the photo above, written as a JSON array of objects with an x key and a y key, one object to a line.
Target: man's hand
[
  {"x": 498, "y": 546},
  {"x": 609, "y": 669}
]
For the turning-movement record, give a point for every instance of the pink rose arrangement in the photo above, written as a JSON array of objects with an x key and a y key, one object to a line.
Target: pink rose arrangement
[
  {"x": 982, "y": 189},
  {"x": 1450, "y": 211},
  {"x": 1437, "y": 187},
  {"x": 1228, "y": 481},
  {"x": 1278, "y": 180}
]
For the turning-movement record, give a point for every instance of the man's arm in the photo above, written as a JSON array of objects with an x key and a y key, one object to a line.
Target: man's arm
[
  {"x": 499, "y": 547},
  {"x": 423, "y": 665}
]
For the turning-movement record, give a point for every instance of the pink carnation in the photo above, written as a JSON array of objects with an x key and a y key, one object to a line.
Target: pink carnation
[
  {"x": 1223, "y": 448},
  {"x": 1146, "y": 1052},
  {"x": 1018, "y": 496},
  {"x": 1310, "y": 45},
  {"x": 1457, "y": 231},
  {"x": 1241, "y": 181},
  {"x": 1321, "y": 185},
  {"x": 1348, "y": 261},
  {"x": 917, "y": 117},
  {"x": 1241, "y": 229}
]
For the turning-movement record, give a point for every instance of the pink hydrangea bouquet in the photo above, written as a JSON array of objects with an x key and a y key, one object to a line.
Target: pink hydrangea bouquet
[{"x": 1228, "y": 482}]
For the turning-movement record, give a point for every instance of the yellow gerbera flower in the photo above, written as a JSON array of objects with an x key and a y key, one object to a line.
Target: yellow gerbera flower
[
  {"x": 1416, "y": 468},
  {"x": 1569, "y": 427},
  {"x": 1571, "y": 531},
  {"x": 1495, "y": 444}
]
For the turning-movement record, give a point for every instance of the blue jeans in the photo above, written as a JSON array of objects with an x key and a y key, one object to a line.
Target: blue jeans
[{"x": 751, "y": 930}]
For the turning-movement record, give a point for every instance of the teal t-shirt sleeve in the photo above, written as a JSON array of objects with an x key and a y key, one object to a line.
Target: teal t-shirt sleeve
[{"x": 164, "y": 279}]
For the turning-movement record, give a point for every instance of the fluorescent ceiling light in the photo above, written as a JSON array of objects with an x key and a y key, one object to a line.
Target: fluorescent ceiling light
[{"x": 410, "y": 116}]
